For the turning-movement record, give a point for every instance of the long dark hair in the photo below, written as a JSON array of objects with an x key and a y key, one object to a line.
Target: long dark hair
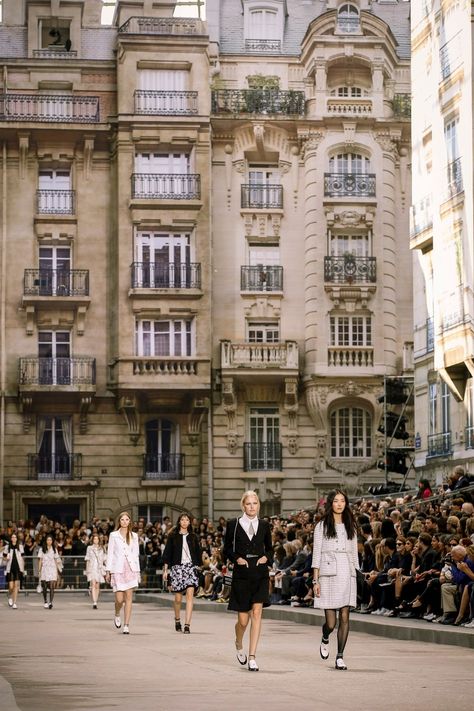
[
  {"x": 176, "y": 529},
  {"x": 45, "y": 543},
  {"x": 348, "y": 519}
]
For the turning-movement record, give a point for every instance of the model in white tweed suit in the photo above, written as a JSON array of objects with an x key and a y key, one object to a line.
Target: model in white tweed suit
[{"x": 335, "y": 561}]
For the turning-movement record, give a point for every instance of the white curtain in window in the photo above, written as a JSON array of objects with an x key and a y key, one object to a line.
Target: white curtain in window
[{"x": 66, "y": 425}]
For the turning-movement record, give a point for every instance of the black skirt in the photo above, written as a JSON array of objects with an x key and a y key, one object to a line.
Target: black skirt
[
  {"x": 15, "y": 573},
  {"x": 249, "y": 585}
]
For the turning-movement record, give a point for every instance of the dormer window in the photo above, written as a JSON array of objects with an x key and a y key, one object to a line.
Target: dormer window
[
  {"x": 55, "y": 34},
  {"x": 263, "y": 25},
  {"x": 348, "y": 19}
]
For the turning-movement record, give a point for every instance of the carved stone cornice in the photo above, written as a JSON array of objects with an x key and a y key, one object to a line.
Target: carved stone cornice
[
  {"x": 199, "y": 408},
  {"x": 309, "y": 141},
  {"x": 128, "y": 406},
  {"x": 388, "y": 141},
  {"x": 83, "y": 412}
]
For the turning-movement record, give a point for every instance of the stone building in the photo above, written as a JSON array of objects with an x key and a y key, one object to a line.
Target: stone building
[
  {"x": 442, "y": 234},
  {"x": 205, "y": 268}
]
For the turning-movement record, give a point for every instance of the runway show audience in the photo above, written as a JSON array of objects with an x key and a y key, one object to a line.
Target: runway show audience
[{"x": 416, "y": 553}]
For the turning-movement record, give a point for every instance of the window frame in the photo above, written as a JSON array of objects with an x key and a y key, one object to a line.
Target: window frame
[{"x": 351, "y": 448}]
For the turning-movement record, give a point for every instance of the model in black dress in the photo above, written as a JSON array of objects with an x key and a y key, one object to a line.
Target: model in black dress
[{"x": 248, "y": 545}]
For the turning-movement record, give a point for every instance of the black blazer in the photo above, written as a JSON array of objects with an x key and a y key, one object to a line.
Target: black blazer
[
  {"x": 174, "y": 549},
  {"x": 261, "y": 543}
]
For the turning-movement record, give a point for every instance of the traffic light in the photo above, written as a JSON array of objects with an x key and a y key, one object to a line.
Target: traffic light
[{"x": 396, "y": 426}]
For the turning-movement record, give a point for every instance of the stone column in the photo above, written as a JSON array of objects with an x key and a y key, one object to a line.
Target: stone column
[{"x": 386, "y": 199}]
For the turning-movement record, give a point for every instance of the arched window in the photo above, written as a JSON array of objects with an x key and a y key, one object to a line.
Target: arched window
[
  {"x": 162, "y": 457},
  {"x": 349, "y": 163},
  {"x": 348, "y": 18},
  {"x": 351, "y": 433}
]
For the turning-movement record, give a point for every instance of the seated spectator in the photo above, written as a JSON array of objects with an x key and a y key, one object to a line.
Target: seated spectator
[
  {"x": 453, "y": 587},
  {"x": 424, "y": 489}
]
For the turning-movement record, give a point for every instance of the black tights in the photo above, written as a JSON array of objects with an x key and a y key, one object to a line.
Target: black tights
[
  {"x": 342, "y": 629},
  {"x": 51, "y": 585}
]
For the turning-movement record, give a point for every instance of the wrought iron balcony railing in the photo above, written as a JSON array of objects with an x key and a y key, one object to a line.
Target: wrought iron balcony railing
[
  {"x": 351, "y": 356},
  {"x": 262, "y": 457},
  {"x": 266, "y": 46},
  {"x": 146, "y": 275},
  {"x": 430, "y": 335},
  {"x": 350, "y": 269},
  {"x": 55, "y": 202},
  {"x": 439, "y": 444},
  {"x": 57, "y": 371},
  {"x": 261, "y": 278},
  {"x": 49, "y": 108},
  {"x": 401, "y": 105},
  {"x": 163, "y": 186},
  {"x": 258, "y": 101},
  {"x": 349, "y": 184},
  {"x": 54, "y": 466},
  {"x": 56, "y": 282},
  {"x": 261, "y": 196},
  {"x": 54, "y": 53},
  {"x": 450, "y": 56},
  {"x": 259, "y": 355},
  {"x": 348, "y": 24},
  {"x": 163, "y": 466},
  {"x": 162, "y": 26},
  {"x": 454, "y": 178},
  {"x": 469, "y": 437},
  {"x": 166, "y": 103}
]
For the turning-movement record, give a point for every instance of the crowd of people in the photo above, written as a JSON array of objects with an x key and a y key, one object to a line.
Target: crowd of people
[{"x": 416, "y": 554}]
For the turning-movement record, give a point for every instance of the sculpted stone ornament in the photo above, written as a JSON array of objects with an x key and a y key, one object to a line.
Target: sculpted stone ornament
[
  {"x": 293, "y": 444},
  {"x": 232, "y": 442}
]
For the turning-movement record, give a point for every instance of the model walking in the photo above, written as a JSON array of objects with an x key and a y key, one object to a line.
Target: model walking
[
  {"x": 49, "y": 567},
  {"x": 123, "y": 568},
  {"x": 95, "y": 568},
  {"x": 13, "y": 557},
  {"x": 335, "y": 561},
  {"x": 248, "y": 545},
  {"x": 183, "y": 555}
]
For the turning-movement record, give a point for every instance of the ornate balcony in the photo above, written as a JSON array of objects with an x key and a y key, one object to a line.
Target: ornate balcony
[
  {"x": 162, "y": 186},
  {"x": 258, "y": 101},
  {"x": 51, "y": 467},
  {"x": 262, "y": 457},
  {"x": 349, "y": 185},
  {"x": 263, "y": 46},
  {"x": 351, "y": 356},
  {"x": 454, "y": 178},
  {"x": 342, "y": 106},
  {"x": 158, "y": 467},
  {"x": 261, "y": 196},
  {"x": 401, "y": 106},
  {"x": 258, "y": 356},
  {"x": 166, "y": 103},
  {"x": 44, "y": 373},
  {"x": 350, "y": 269},
  {"x": 166, "y": 276},
  {"x": 439, "y": 445},
  {"x": 49, "y": 108},
  {"x": 162, "y": 26},
  {"x": 261, "y": 278},
  {"x": 157, "y": 373},
  {"x": 56, "y": 282},
  {"x": 55, "y": 202}
]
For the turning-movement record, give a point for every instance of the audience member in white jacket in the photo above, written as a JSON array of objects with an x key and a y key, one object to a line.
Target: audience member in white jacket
[{"x": 123, "y": 567}]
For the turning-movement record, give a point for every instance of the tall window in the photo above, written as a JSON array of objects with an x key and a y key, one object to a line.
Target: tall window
[
  {"x": 53, "y": 446},
  {"x": 263, "y": 24},
  {"x": 433, "y": 408},
  {"x": 350, "y": 330},
  {"x": 54, "y": 271},
  {"x": 451, "y": 139},
  {"x": 349, "y": 163},
  {"x": 351, "y": 432},
  {"x": 349, "y": 92},
  {"x": 355, "y": 244},
  {"x": 348, "y": 18},
  {"x": 264, "y": 449},
  {"x": 164, "y": 338},
  {"x": 54, "y": 355},
  {"x": 162, "y": 446},
  {"x": 163, "y": 259},
  {"x": 171, "y": 163},
  {"x": 469, "y": 409},
  {"x": 445, "y": 406},
  {"x": 162, "y": 79}
]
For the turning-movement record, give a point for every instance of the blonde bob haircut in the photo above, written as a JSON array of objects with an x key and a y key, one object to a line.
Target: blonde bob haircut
[{"x": 247, "y": 493}]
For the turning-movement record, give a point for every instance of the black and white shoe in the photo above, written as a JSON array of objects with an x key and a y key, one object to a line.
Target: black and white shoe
[
  {"x": 252, "y": 665},
  {"x": 340, "y": 664},
  {"x": 117, "y": 621},
  {"x": 324, "y": 649}
]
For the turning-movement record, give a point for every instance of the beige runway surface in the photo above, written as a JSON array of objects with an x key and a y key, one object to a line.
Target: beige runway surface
[{"x": 71, "y": 658}]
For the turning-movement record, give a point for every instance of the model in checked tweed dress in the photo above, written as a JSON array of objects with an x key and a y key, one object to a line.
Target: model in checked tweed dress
[{"x": 335, "y": 562}]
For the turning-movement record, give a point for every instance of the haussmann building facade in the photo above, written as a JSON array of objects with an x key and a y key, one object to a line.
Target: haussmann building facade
[{"x": 205, "y": 263}]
